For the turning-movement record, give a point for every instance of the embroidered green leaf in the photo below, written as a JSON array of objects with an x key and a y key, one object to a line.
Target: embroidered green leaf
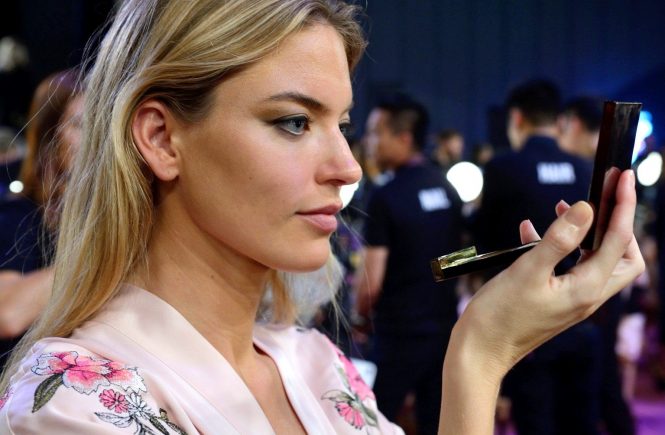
[
  {"x": 370, "y": 416},
  {"x": 155, "y": 422},
  {"x": 165, "y": 419},
  {"x": 338, "y": 396},
  {"x": 342, "y": 375},
  {"x": 118, "y": 420},
  {"x": 144, "y": 430},
  {"x": 46, "y": 390},
  {"x": 176, "y": 428}
]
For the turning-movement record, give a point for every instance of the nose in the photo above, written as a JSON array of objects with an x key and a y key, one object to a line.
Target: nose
[{"x": 340, "y": 166}]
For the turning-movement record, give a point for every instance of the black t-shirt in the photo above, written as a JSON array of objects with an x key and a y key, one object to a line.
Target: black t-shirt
[
  {"x": 21, "y": 235},
  {"x": 417, "y": 216},
  {"x": 527, "y": 185}
]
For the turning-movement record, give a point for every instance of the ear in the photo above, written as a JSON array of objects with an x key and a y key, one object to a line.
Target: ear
[
  {"x": 152, "y": 128},
  {"x": 576, "y": 124},
  {"x": 515, "y": 117}
]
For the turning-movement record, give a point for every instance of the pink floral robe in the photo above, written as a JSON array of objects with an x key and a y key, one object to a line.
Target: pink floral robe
[{"x": 140, "y": 368}]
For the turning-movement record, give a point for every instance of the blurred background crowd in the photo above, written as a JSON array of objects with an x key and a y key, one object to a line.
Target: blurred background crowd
[{"x": 469, "y": 117}]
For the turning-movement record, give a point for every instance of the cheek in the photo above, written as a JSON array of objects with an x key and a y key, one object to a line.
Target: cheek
[{"x": 240, "y": 182}]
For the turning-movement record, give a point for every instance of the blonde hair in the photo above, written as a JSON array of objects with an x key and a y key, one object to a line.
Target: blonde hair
[{"x": 178, "y": 52}]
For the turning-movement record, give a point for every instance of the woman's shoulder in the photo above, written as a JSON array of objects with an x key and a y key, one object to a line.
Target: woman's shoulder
[{"x": 64, "y": 386}]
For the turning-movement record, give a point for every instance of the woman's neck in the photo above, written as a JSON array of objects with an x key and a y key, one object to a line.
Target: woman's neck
[{"x": 215, "y": 289}]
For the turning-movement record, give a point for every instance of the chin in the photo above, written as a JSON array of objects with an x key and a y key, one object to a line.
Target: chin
[{"x": 304, "y": 260}]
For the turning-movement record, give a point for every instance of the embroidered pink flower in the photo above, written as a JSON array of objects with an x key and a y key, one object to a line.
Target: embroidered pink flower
[
  {"x": 351, "y": 415},
  {"x": 114, "y": 401},
  {"x": 353, "y": 407},
  {"x": 86, "y": 374},
  {"x": 356, "y": 382}
]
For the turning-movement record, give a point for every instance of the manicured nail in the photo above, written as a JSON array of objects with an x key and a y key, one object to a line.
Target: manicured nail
[{"x": 576, "y": 216}]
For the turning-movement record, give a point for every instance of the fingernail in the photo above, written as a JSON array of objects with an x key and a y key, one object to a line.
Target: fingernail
[
  {"x": 562, "y": 202},
  {"x": 632, "y": 177},
  {"x": 576, "y": 216}
]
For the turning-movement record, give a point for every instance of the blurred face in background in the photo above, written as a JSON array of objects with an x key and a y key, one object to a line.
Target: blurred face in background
[
  {"x": 513, "y": 128},
  {"x": 60, "y": 159},
  {"x": 575, "y": 138},
  {"x": 388, "y": 146},
  {"x": 449, "y": 150}
]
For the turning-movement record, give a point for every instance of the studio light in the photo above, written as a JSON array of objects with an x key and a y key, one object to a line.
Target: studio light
[
  {"x": 644, "y": 130},
  {"x": 346, "y": 193},
  {"x": 649, "y": 170},
  {"x": 467, "y": 179},
  {"x": 16, "y": 186}
]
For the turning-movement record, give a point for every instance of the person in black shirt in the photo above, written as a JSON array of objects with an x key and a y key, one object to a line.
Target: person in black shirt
[
  {"x": 580, "y": 130},
  {"x": 580, "y": 126},
  {"x": 413, "y": 218},
  {"x": 554, "y": 390}
]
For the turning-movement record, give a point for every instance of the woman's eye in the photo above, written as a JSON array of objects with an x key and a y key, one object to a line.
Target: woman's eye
[
  {"x": 347, "y": 129},
  {"x": 296, "y": 125}
]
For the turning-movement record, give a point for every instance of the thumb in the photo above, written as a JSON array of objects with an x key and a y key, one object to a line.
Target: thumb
[{"x": 562, "y": 237}]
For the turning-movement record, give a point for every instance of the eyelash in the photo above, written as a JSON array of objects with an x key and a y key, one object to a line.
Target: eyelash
[
  {"x": 287, "y": 123},
  {"x": 348, "y": 129}
]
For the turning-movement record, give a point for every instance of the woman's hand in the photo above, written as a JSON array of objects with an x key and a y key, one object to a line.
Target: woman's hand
[{"x": 526, "y": 304}]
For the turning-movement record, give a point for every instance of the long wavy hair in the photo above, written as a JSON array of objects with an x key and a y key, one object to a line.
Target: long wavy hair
[{"x": 178, "y": 52}]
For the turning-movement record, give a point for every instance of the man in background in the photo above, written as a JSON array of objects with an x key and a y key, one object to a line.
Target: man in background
[
  {"x": 580, "y": 126},
  {"x": 554, "y": 390},
  {"x": 580, "y": 129},
  {"x": 449, "y": 148},
  {"x": 412, "y": 219}
]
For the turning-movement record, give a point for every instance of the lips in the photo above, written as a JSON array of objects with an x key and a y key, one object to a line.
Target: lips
[{"x": 322, "y": 218}]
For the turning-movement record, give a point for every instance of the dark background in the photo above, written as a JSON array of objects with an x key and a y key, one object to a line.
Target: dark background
[{"x": 459, "y": 57}]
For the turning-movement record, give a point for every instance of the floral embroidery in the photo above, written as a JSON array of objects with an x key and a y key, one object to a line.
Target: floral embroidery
[
  {"x": 5, "y": 397},
  {"x": 82, "y": 373},
  {"x": 113, "y": 401},
  {"x": 354, "y": 379},
  {"x": 352, "y": 405},
  {"x": 86, "y": 375},
  {"x": 133, "y": 410}
]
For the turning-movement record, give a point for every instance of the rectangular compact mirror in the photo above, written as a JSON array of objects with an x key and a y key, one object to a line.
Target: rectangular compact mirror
[{"x": 613, "y": 156}]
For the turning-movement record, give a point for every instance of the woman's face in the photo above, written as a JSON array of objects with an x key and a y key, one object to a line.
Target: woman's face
[{"x": 260, "y": 175}]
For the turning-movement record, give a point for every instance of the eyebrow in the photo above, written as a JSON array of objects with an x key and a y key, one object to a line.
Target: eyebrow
[{"x": 305, "y": 100}]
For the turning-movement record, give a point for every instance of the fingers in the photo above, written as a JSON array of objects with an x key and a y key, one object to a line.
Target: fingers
[
  {"x": 528, "y": 233},
  {"x": 561, "y": 207},
  {"x": 561, "y": 238},
  {"x": 618, "y": 241}
]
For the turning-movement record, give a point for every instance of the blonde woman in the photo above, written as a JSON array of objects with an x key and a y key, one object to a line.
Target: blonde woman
[{"x": 205, "y": 190}]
